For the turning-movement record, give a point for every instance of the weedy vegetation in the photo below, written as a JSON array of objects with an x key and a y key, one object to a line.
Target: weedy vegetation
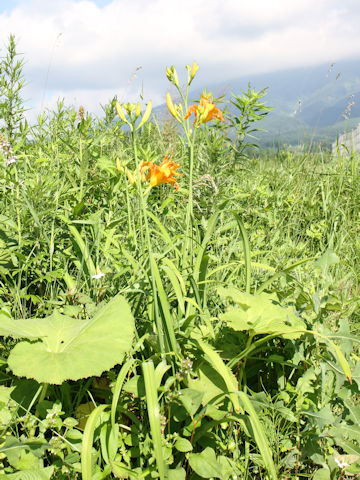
[{"x": 174, "y": 304}]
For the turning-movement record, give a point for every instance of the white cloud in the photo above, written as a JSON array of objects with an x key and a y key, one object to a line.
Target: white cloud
[{"x": 81, "y": 51}]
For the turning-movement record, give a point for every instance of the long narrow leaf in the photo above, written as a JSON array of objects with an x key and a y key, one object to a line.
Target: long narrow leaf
[
  {"x": 169, "y": 322},
  {"x": 247, "y": 255},
  {"x": 87, "y": 443},
  {"x": 118, "y": 386},
  {"x": 259, "y": 435},
  {"x": 153, "y": 409},
  {"x": 217, "y": 362}
]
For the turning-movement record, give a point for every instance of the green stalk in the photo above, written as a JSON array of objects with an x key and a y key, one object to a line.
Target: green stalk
[
  {"x": 17, "y": 208},
  {"x": 82, "y": 178},
  {"x": 131, "y": 227},
  {"x": 246, "y": 246},
  {"x": 188, "y": 244},
  {"x": 45, "y": 387},
  {"x": 159, "y": 326},
  {"x": 243, "y": 365}
]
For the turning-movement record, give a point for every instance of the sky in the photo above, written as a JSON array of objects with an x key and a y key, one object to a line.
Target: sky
[{"x": 87, "y": 51}]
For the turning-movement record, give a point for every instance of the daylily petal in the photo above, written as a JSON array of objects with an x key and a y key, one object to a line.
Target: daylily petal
[
  {"x": 205, "y": 111},
  {"x": 160, "y": 174}
]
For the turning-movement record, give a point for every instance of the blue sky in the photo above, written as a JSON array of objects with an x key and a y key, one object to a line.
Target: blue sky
[{"x": 87, "y": 51}]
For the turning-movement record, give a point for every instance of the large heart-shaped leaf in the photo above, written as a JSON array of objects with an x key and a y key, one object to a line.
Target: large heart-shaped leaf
[
  {"x": 67, "y": 348},
  {"x": 261, "y": 314}
]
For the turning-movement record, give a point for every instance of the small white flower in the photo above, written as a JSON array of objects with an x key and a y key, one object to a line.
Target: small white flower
[
  {"x": 341, "y": 464},
  {"x": 98, "y": 275}
]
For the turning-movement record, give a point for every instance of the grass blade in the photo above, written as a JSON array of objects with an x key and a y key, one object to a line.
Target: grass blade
[
  {"x": 87, "y": 443},
  {"x": 246, "y": 244},
  {"x": 259, "y": 435},
  {"x": 118, "y": 386},
  {"x": 217, "y": 362},
  {"x": 154, "y": 415}
]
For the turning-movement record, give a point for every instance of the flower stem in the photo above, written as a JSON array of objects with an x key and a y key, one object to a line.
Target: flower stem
[
  {"x": 188, "y": 244},
  {"x": 158, "y": 323}
]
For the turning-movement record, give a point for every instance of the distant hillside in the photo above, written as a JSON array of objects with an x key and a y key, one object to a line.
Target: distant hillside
[{"x": 311, "y": 104}]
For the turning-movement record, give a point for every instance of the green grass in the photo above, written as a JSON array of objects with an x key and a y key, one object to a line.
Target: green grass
[{"x": 197, "y": 395}]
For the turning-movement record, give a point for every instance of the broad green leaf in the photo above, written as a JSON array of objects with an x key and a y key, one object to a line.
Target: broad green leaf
[
  {"x": 337, "y": 353},
  {"x": 13, "y": 449},
  {"x": 40, "y": 474},
  {"x": 177, "y": 474},
  {"x": 191, "y": 399},
  {"x": 261, "y": 314},
  {"x": 305, "y": 383},
  {"x": 205, "y": 464},
  {"x": 323, "y": 417},
  {"x": 70, "y": 349},
  {"x": 120, "y": 470},
  {"x": 183, "y": 445},
  {"x": 227, "y": 467},
  {"x": 5, "y": 393},
  {"x": 135, "y": 386},
  {"x": 326, "y": 260},
  {"x": 322, "y": 474},
  {"x": 209, "y": 382}
]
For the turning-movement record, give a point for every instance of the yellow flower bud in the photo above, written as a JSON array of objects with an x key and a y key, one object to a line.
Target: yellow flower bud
[
  {"x": 194, "y": 70},
  {"x": 170, "y": 106},
  {"x": 138, "y": 110},
  {"x": 175, "y": 76},
  {"x": 120, "y": 112},
  {"x": 131, "y": 176},
  {"x": 146, "y": 115},
  {"x": 118, "y": 165},
  {"x": 172, "y": 75},
  {"x": 130, "y": 107},
  {"x": 168, "y": 74}
]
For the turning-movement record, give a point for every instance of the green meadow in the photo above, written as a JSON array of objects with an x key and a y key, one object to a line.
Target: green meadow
[{"x": 175, "y": 303}]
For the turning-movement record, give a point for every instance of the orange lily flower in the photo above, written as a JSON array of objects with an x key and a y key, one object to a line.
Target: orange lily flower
[
  {"x": 204, "y": 112},
  {"x": 159, "y": 174}
]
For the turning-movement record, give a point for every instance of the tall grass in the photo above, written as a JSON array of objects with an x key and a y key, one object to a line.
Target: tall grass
[{"x": 242, "y": 283}]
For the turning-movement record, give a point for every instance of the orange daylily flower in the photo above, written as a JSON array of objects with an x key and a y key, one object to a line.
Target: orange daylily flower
[
  {"x": 204, "y": 112},
  {"x": 159, "y": 174}
]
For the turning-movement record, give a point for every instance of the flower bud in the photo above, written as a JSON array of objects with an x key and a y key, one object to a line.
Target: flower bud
[
  {"x": 194, "y": 70},
  {"x": 120, "y": 165},
  {"x": 175, "y": 76},
  {"x": 172, "y": 75},
  {"x": 120, "y": 112},
  {"x": 168, "y": 74},
  {"x": 129, "y": 107},
  {"x": 146, "y": 115},
  {"x": 131, "y": 176},
  {"x": 170, "y": 106},
  {"x": 138, "y": 110}
]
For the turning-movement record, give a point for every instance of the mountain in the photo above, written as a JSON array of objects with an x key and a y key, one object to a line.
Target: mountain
[{"x": 311, "y": 104}]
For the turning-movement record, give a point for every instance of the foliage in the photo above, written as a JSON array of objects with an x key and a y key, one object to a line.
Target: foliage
[
  {"x": 12, "y": 83},
  {"x": 204, "y": 332}
]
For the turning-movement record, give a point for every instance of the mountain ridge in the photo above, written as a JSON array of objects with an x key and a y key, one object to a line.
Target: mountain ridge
[{"x": 315, "y": 103}]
